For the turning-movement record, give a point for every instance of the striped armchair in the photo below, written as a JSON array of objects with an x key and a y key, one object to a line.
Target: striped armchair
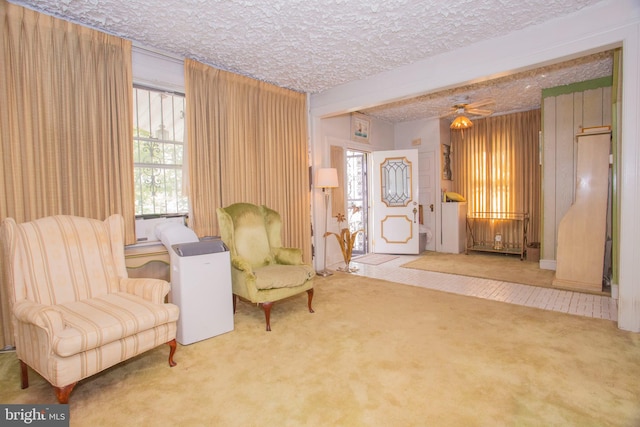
[{"x": 74, "y": 310}]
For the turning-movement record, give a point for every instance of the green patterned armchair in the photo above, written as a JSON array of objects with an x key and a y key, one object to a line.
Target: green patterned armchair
[{"x": 262, "y": 270}]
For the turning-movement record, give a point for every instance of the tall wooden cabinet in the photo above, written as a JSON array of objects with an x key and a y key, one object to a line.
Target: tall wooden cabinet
[
  {"x": 566, "y": 111},
  {"x": 582, "y": 230}
]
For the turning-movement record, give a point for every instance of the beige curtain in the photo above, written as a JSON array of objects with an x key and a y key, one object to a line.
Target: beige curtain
[
  {"x": 203, "y": 114},
  {"x": 65, "y": 140},
  {"x": 338, "y": 201},
  {"x": 247, "y": 143},
  {"x": 496, "y": 167}
]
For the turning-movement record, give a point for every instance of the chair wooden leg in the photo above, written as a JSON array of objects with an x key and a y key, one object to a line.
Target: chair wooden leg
[
  {"x": 266, "y": 307},
  {"x": 310, "y": 294},
  {"x": 62, "y": 393},
  {"x": 24, "y": 375},
  {"x": 172, "y": 351},
  {"x": 235, "y": 302}
]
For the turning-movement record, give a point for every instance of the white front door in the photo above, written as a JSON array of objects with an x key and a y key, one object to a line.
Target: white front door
[{"x": 395, "y": 202}]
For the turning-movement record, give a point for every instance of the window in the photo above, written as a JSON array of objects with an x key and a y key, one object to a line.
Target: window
[{"x": 158, "y": 143}]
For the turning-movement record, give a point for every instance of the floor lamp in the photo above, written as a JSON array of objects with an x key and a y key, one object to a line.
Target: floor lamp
[{"x": 326, "y": 179}]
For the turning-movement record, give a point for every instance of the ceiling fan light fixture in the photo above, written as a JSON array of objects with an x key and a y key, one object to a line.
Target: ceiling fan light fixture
[{"x": 461, "y": 122}]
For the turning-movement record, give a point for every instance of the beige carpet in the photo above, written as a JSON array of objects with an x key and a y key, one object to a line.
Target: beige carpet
[
  {"x": 485, "y": 265},
  {"x": 375, "y": 353}
]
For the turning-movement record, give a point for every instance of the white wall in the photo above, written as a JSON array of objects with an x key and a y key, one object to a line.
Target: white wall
[
  {"x": 430, "y": 133},
  {"x": 157, "y": 70},
  {"x": 427, "y": 130},
  {"x": 608, "y": 24},
  {"x": 336, "y": 131},
  {"x": 563, "y": 117}
]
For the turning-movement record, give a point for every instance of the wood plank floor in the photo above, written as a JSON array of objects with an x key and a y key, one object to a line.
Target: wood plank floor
[{"x": 581, "y": 304}]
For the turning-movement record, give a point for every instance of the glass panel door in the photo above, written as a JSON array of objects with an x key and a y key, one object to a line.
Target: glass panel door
[{"x": 357, "y": 197}]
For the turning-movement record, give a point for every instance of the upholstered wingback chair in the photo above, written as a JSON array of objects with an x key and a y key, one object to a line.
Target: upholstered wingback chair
[
  {"x": 262, "y": 270},
  {"x": 74, "y": 310}
]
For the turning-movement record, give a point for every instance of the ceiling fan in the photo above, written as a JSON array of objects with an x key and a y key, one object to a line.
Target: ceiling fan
[
  {"x": 471, "y": 109},
  {"x": 461, "y": 109}
]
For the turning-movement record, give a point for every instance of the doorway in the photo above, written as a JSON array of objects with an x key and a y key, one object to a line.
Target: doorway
[{"x": 358, "y": 198}]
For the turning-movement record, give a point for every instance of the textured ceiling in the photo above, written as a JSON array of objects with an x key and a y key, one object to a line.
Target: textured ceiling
[
  {"x": 516, "y": 92},
  {"x": 314, "y": 45}
]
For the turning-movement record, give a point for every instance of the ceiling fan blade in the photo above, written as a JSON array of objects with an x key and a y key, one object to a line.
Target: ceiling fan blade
[
  {"x": 479, "y": 112},
  {"x": 448, "y": 113},
  {"x": 480, "y": 103}
]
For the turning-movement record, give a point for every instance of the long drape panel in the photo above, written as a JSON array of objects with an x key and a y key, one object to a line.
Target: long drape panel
[
  {"x": 247, "y": 143},
  {"x": 203, "y": 141},
  {"x": 338, "y": 201},
  {"x": 65, "y": 140},
  {"x": 240, "y": 151},
  {"x": 283, "y": 161},
  {"x": 496, "y": 167}
]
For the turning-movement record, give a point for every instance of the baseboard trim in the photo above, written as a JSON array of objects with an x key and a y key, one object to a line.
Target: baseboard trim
[
  {"x": 614, "y": 291},
  {"x": 548, "y": 264}
]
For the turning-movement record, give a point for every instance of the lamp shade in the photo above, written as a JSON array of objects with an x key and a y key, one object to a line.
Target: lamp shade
[
  {"x": 461, "y": 122},
  {"x": 327, "y": 178}
]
